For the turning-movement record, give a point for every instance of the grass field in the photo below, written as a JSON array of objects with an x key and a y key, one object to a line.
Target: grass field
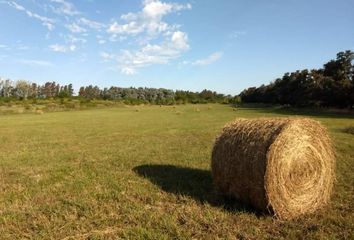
[{"x": 143, "y": 173}]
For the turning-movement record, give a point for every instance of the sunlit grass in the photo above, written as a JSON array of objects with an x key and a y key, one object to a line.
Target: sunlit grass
[{"x": 143, "y": 173}]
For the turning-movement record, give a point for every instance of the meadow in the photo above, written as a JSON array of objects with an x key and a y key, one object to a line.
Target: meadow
[{"x": 143, "y": 172}]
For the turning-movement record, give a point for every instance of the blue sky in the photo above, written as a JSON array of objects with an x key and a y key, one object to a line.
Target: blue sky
[{"x": 224, "y": 45}]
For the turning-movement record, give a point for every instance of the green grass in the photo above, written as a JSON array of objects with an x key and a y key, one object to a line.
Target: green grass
[{"x": 121, "y": 173}]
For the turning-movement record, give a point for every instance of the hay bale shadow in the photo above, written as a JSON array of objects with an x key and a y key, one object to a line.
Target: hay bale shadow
[{"x": 195, "y": 183}]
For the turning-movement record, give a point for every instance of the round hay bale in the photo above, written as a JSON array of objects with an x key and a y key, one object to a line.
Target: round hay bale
[{"x": 284, "y": 166}]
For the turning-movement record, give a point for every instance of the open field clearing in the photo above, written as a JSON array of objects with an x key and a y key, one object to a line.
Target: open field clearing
[{"x": 143, "y": 172}]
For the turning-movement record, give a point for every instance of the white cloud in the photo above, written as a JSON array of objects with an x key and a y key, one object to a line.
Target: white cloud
[
  {"x": 130, "y": 61},
  {"x": 62, "y": 48},
  {"x": 75, "y": 28},
  {"x": 71, "y": 44},
  {"x": 72, "y": 48},
  {"x": 15, "y": 5},
  {"x": 65, "y": 8},
  {"x": 129, "y": 17},
  {"x": 148, "y": 24},
  {"x": 58, "y": 48},
  {"x": 47, "y": 22},
  {"x": 149, "y": 20},
  {"x": 107, "y": 56},
  {"x": 115, "y": 38},
  {"x": 157, "y": 9},
  {"x": 75, "y": 23},
  {"x": 208, "y": 60},
  {"x": 180, "y": 40},
  {"x": 128, "y": 71},
  {"x": 129, "y": 28},
  {"x": 73, "y": 39},
  {"x": 35, "y": 63},
  {"x": 155, "y": 41},
  {"x": 91, "y": 24}
]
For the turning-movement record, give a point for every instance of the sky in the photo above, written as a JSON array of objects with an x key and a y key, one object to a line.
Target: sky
[{"x": 222, "y": 45}]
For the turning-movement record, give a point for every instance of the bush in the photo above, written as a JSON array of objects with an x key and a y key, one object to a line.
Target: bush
[{"x": 70, "y": 105}]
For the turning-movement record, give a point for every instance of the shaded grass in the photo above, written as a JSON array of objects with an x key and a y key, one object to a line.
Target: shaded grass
[
  {"x": 195, "y": 183},
  {"x": 323, "y": 113},
  {"x": 349, "y": 130},
  {"x": 189, "y": 182},
  {"x": 121, "y": 173}
]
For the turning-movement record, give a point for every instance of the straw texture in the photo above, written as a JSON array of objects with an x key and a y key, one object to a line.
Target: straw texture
[{"x": 285, "y": 166}]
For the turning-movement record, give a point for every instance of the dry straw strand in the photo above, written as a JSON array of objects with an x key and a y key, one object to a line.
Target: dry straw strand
[{"x": 285, "y": 166}]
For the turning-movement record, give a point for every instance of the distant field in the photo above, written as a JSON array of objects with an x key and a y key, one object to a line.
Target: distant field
[{"x": 143, "y": 173}]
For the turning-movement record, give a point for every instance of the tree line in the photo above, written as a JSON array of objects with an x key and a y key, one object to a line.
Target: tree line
[
  {"x": 24, "y": 90},
  {"x": 330, "y": 86}
]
